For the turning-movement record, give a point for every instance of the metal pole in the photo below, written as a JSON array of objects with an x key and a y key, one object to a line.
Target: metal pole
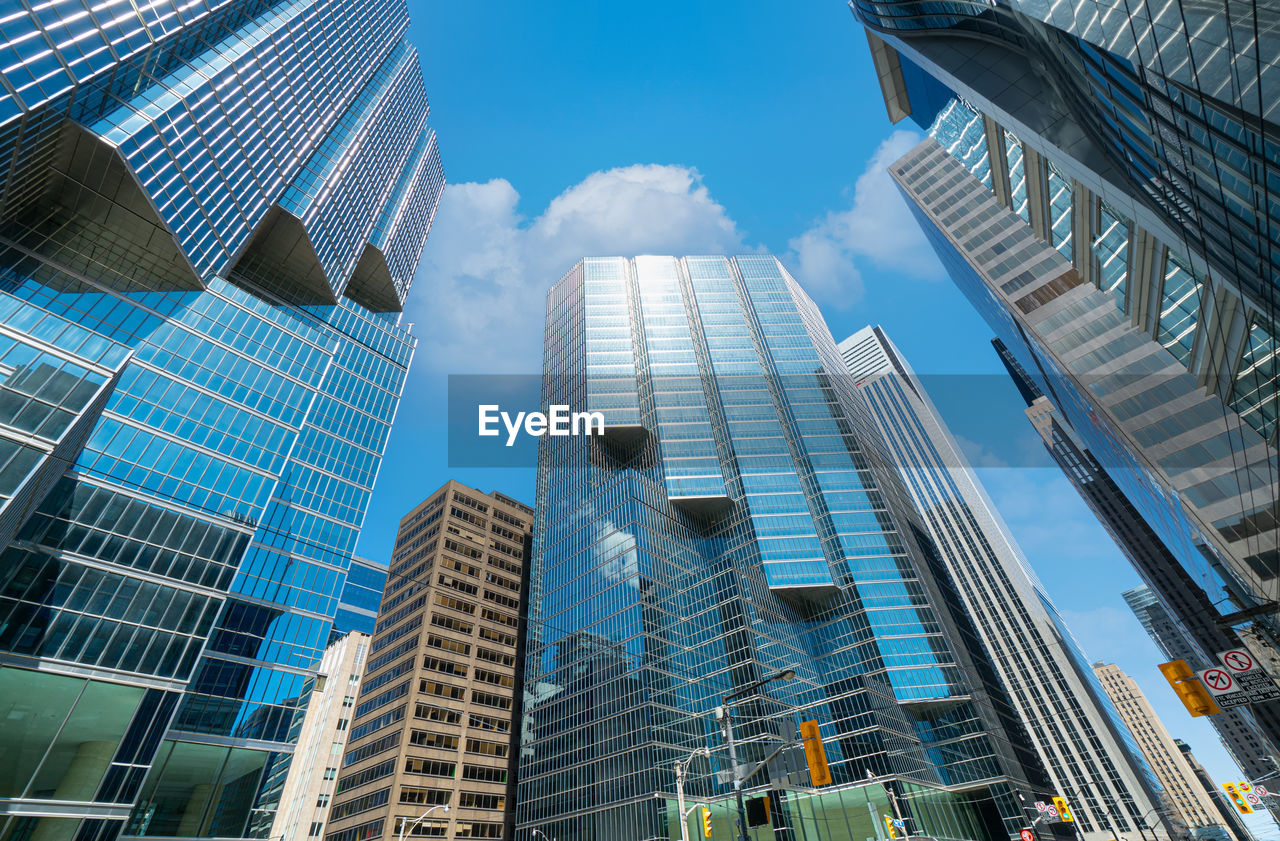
[
  {"x": 737, "y": 780},
  {"x": 1102, "y": 807},
  {"x": 684, "y": 824},
  {"x": 897, "y": 813},
  {"x": 421, "y": 818},
  {"x": 875, "y": 819}
]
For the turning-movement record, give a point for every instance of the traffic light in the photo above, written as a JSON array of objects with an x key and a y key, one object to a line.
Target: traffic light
[
  {"x": 758, "y": 811},
  {"x": 1064, "y": 811},
  {"x": 1194, "y": 696},
  {"x": 1238, "y": 798},
  {"x": 814, "y": 754},
  {"x": 888, "y": 825},
  {"x": 706, "y": 822}
]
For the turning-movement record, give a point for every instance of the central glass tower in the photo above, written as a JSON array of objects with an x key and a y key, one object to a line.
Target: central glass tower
[{"x": 739, "y": 517}]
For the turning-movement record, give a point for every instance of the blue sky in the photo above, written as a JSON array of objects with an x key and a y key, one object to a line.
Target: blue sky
[{"x": 576, "y": 129}]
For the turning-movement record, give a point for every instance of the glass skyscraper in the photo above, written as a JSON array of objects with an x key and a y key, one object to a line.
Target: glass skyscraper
[
  {"x": 210, "y": 214},
  {"x": 1111, "y": 207},
  {"x": 1089, "y": 753},
  {"x": 739, "y": 516}
]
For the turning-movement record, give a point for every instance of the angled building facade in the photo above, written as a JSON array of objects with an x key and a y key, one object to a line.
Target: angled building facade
[
  {"x": 1174, "y": 606},
  {"x": 361, "y": 595},
  {"x": 210, "y": 215},
  {"x": 1088, "y": 752},
  {"x": 1108, "y": 208},
  {"x": 740, "y": 517}
]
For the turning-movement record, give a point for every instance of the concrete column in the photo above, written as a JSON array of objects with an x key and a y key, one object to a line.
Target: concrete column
[{"x": 79, "y": 782}]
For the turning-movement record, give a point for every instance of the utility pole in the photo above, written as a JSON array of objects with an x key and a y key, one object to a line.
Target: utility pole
[
  {"x": 681, "y": 766},
  {"x": 897, "y": 813},
  {"x": 871, "y": 808},
  {"x": 725, "y": 720},
  {"x": 725, "y": 717}
]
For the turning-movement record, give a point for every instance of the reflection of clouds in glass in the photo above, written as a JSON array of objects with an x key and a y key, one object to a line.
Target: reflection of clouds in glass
[{"x": 615, "y": 553}]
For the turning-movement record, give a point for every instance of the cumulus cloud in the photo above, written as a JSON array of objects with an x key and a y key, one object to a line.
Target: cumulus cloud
[
  {"x": 480, "y": 294},
  {"x": 877, "y": 227}
]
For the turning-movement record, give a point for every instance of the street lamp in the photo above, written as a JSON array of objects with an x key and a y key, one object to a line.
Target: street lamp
[
  {"x": 681, "y": 766},
  {"x": 543, "y": 834},
  {"x": 726, "y": 719},
  {"x": 420, "y": 818}
]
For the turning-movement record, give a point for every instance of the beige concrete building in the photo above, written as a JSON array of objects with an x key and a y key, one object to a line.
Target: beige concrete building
[
  {"x": 432, "y": 725},
  {"x": 313, "y": 773},
  {"x": 1185, "y": 793}
]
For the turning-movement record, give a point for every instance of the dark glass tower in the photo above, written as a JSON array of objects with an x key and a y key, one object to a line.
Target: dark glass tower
[
  {"x": 1104, "y": 184},
  {"x": 739, "y": 516},
  {"x": 210, "y": 214},
  {"x": 1186, "y": 629}
]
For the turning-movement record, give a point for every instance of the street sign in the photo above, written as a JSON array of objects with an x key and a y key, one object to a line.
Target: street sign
[
  {"x": 1027, "y": 835},
  {"x": 1237, "y": 660},
  {"x": 1224, "y": 688},
  {"x": 1237, "y": 797},
  {"x": 1218, "y": 680},
  {"x": 1240, "y": 680}
]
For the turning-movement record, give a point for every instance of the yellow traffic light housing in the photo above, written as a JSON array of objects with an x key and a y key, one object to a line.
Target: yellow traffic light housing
[
  {"x": 1064, "y": 811},
  {"x": 1190, "y": 691},
  {"x": 706, "y": 822},
  {"x": 1237, "y": 798},
  {"x": 814, "y": 754},
  {"x": 888, "y": 825}
]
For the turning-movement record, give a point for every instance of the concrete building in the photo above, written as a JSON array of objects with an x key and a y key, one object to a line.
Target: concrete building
[
  {"x": 321, "y": 740},
  {"x": 1086, "y": 749},
  {"x": 1226, "y": 809},
  {"x": 1184, "y": 794},
  {"x": 433, "y": 725}
]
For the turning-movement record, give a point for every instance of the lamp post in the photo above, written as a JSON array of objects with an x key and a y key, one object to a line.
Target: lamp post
[
  {"x": 681, "y": 766},
  {"x": 725, "y": 718},
  {"x": 420, "y": 818},
  {"x": 543, "y": 834}
]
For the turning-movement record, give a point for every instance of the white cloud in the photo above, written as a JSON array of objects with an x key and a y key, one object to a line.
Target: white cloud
[
  {"x": 877, "y": 227},
  {"x": 480, "y": 294}
]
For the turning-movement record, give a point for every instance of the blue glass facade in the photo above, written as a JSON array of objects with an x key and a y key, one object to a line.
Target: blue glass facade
[
  {"x": 209, "y": 219},
  {"x": 361, "y": 595},
  {"x": 738, "y": 517}
]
